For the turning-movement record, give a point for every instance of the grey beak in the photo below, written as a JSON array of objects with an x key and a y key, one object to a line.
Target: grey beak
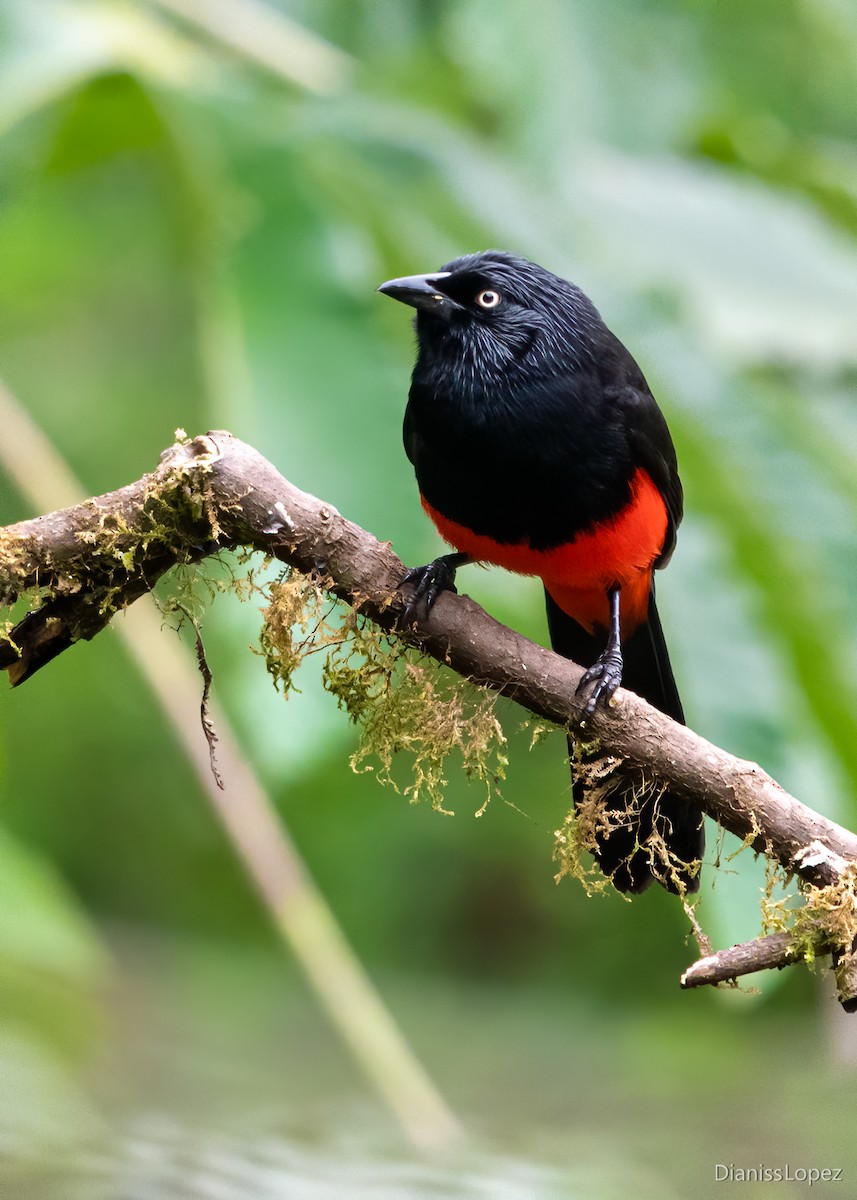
[{"x": 420, "y": 291}]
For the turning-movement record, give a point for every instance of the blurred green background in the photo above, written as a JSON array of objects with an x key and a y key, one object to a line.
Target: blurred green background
[{"x": 197, "y": 201}]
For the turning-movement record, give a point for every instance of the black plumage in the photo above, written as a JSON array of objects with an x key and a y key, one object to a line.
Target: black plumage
[{"x": 534, "y": 436}]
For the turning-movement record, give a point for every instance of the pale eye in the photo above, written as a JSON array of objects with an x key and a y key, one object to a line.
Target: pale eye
[{"x": 488, "y": 299}]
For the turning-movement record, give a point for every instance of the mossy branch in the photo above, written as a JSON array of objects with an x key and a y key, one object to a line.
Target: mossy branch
[{"x": 215, "y": 492}]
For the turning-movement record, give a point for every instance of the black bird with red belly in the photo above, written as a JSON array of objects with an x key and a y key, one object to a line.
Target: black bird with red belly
[{"x": 538, "y": 446}]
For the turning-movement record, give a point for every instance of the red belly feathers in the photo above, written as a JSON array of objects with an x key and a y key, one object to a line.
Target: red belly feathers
[{"x": 579, "y": 574}]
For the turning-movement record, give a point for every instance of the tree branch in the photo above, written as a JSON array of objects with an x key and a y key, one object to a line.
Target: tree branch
[
  {"x": 773, "y": 952},
  {"x": 216, "y": 492},
  {"x": 777, "y": 950}
]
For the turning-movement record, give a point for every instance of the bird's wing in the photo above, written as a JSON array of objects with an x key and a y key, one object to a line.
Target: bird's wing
[{"x": 648, "y": 435}]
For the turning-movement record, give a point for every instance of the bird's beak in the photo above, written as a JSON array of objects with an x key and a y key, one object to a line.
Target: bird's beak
[{"x": 421, "y": 292}]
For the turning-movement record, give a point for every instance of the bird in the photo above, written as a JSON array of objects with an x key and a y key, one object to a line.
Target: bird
[{"x": 538, "y": 447}]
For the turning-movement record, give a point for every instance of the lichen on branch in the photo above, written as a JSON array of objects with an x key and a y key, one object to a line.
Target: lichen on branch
[{"x": 402, "y": 703}]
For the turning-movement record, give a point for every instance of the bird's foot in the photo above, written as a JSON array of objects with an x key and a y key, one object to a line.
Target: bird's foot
[
  {"x": 604, "y": 676},
  {"x": 427, "y": 584}
]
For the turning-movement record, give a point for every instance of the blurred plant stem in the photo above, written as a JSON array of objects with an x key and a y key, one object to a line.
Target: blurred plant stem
[
  {"x": 267, "y": 38},
  {"x": 256, "y": 831}
]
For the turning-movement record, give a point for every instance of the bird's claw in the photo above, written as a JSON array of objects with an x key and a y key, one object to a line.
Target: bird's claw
[
  {"x": 606, "y": 675},
  {"x": 428, "y": 583}
]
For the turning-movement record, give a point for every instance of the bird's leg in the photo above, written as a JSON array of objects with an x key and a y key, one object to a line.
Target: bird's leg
[
  {"x": 606, "y": 672},
  {"x": 428, "y": 582}
]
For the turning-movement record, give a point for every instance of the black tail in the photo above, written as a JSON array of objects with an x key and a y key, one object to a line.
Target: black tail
[{"x": 625, "y": 853}]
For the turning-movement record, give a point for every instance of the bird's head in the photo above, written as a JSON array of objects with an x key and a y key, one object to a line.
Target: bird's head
[{"x": 495, "y": 313}]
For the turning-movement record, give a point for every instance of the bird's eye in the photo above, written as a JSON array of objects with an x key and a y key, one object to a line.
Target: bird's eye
[{"x": 488, "y": 298}]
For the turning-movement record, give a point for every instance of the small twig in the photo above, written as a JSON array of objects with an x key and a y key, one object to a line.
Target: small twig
[
  {"x": 204, "y": 714},
  {"x": 773, "y": 952}
]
